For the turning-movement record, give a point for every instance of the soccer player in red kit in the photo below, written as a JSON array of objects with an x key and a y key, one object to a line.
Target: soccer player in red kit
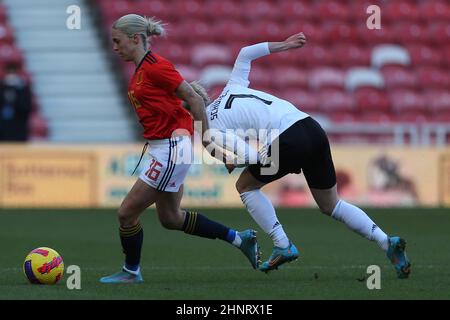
[{"x": 156, "y": 92}]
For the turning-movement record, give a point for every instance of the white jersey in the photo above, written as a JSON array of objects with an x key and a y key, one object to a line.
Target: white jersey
[{"x": 247, "y": 110}]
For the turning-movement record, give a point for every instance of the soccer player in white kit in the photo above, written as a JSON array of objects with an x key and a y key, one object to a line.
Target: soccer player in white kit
[{"x": 295, "y": 142}]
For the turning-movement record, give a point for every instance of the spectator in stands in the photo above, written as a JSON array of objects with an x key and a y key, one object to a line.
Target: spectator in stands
[
  {"x": 15, "y": 105},
  {"x": 295, "y": 142},
  {"x": 156, "y": 92}
]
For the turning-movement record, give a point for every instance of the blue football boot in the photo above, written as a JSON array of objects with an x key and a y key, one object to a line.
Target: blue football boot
[
  {"x": 279, "y": 256},
  {"x": 250, "y": 247},
  {"x": 397, "y": 255},
  {"x": 123, "y": 277}
]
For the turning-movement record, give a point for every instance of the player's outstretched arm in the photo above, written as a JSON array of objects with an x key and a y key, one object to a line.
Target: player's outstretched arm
[
  {"x": 293, "y": 42},
  {"x": 242, "y": 66}
]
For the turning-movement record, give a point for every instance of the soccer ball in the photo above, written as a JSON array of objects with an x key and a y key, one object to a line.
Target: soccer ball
[{"x": 43, "y": 266}]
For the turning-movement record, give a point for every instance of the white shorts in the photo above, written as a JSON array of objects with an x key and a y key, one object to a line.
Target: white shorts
[{"x": 169, "y": 163}]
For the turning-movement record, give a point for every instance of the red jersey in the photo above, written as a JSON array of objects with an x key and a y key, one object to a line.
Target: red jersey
[{"x": 152, "y": 93}]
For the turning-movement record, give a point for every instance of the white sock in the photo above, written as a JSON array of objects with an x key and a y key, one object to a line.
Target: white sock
[
  {"x": 237, "y": 241},
  {"x": 263, "y": 212},
  {"x": 358, "y": 221},
  {"x": 131, "y": 271}
]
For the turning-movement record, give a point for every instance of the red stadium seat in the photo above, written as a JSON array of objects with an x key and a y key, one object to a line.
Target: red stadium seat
[
  {"x": 404, "y": 101},
  {"x": 434, "y": 10},
  {"x": 375, "y": 117},
  {"x": 398, "y": 77},
  {"x": 264, "y": 11},
  {"x": 349, "y": 55},
  {"x": 205, "y": 54},
  {"x": 336, "y": 101},
  {"x": 222, "y": 10},
  {"x": 422, "y": 54},
  {"x": 438, "y": 101},
  {"x": 339, "y": 32},
  {"x": 438, "y": 33},
  {"x": 175, "y": 52},
  {"x": 188, "y": 72},
  {"x": 332, "y": 10},
  {"x": 433, "y": 78},
  {"x": 289, "y": 77},
  {"x": 343, "y": 117},
  {"x": 266, "y": 31},
  {"x": 327, "y": 78},
  {"x": 304, "y": 100},
  {"x": 261, "y": 77},
  {"x": 313, "y": 32},
  {"x": 400, "y": 11},
  {"x": 297, "y": 10},
  {"x": 231, "y": 30},
  {"x": 412, "y": 116},
  {"x": 405, "y": 33},
  {"x": 316, "y": 56},
  {"x": 371, "y": 100},
  {"x": 375, "y": 36}
]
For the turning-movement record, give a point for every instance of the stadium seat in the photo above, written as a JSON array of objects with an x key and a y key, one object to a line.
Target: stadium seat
[
  {"x": 222, "y": 10},
  {"x": 339, "y": 32},
  {"x": 371, "y": 100},
  {"x": 261, "y": 77},
  {"x": 327, "y": 78},
  {"x": 332, "y": 10},
  {"x": 376, "y": 36},
  {"x": 400, "y": 11},
  {"x": 404, "y": 101},
  {"x": 405, "y": 33},
  {"x": 438, "y": 33},
  {"x": 173, "y": 51},
  {"x": 215, "y": 75},
  {"x": 297, "y": 10},
  {"x": 288, "y": 77},
  {"x": 375, "y": 117},
  {"x": 412, "y": 116},
  {"x": 302, "y": 99},
  {"x": 188, "y": 72},
  {"x": 434, "y": 10},
  {"x": 316, "y": 56},
  {"x": 206, "y": 54},
  {"x": 263, "y": 11},
  {"x": 343, "y": 117},
  {"x": 398, "y": 77},
  {"x": 438, "y": 101},
  {"x": 350, "y": 55},
  {"x": 422, "y": 54},
  {"x": 332, "y": 100},
  {"x": 389, "y": 54},
  {"x": 363, "y": 77},
  {"x": 433, "y": 78}
]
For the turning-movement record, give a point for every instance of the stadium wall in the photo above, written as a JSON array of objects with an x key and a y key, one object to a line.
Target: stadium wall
[{"x": 91, "y": 176}]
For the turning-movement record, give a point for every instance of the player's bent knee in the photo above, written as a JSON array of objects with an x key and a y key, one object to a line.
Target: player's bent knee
[
  {"x": 171, "y": 222},
  {"x": 126, "y": 218},
  {"x": 326, "y": 209},
  {"x": 242, "y": 187}
]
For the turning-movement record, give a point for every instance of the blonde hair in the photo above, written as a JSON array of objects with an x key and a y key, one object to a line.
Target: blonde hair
[
  {"x": 132, "y": 24},
  {"x": 201, "y": 91}
]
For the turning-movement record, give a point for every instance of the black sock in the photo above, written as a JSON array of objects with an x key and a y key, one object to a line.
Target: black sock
[
  {"x": 131, "y": 239},
  {"x": 199, "y": 225}
]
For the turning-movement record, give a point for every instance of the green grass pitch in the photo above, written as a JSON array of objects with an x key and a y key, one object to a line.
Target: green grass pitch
[{"x": 179, "y": 266}]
